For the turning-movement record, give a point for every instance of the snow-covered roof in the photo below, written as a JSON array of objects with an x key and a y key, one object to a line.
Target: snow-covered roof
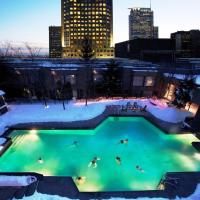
[
  {"x": 75, "y": 63},
  {"x": 183, "y": 77},
  {"x": 145, "y": 70},
  {"x": 50, "y": 64},
  {"x": 177, "y": 76},
  {"x": 2, "y": 93}
]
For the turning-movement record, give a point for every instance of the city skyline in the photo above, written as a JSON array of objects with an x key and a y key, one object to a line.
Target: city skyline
[{"x": 28, "y": 21}]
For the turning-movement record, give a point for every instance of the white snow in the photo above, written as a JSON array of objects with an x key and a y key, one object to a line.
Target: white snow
[
  {"x": 2, "y": 140},
  {"x": 16, "y": 180},
  {"x": 39, "y": 196},
  {"x": 2, "y": 93},
  {"x": 50, "y": 64},
  {"x": 183, "y": 77},
  {"x": 25, "y": 113}
]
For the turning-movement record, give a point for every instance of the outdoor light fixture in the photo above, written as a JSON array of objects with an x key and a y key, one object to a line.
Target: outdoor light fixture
[
  {"x": 46, "y": 107},
  {"x": 95, "y": 72}
]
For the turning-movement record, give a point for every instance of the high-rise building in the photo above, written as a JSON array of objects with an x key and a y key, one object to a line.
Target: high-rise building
[
  {"x": 91, "y": 19},
  {"x": 55, "y": 47},
  {"x": 141, "y": 24},
  {"x": 187, "y": 43}
]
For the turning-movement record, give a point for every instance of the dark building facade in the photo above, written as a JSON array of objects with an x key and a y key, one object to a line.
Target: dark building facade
[
  {"x": 43, "y": 78},
  {"x": 141, "y": 24},
  {"x": 37, "y": 77},
  {"x": 155, "y": 50},
  {"x": 187, "y": 43},
  {"x": 91, "y": 19},
  {"x": 55, "y": 47}
]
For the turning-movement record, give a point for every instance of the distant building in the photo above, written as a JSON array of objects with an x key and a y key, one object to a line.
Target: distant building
[
  {"x": 3, "y": 106},
  {"x": 154, "y": 50},
  {"x": 187, "y": 43},
  {"x": 55, "y": 48},
  {"x": 141, "y": 24},
  {"x": 87, "y": 19}
]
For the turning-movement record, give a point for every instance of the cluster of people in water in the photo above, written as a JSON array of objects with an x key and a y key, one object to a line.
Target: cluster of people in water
[{"x": 93, "y": 163}]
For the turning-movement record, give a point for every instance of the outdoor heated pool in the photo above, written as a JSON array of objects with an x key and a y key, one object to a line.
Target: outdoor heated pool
[{"x": 145, "y": 156}]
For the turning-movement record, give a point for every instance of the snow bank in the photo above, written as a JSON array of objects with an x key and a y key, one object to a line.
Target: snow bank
[
  {"x": 38, "y": 196},
  {"x": 17, "y": 180},
  {"x": 2, "y": 93},
  {"x": 194, "y": 196},
  {"x": 26, "y": 113},
  {"x": 2, "y": 140},
  {"x": 168, "y": 114}
]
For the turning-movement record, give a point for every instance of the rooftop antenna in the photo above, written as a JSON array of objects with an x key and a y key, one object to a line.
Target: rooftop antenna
[{"x": 150, "y": 4}]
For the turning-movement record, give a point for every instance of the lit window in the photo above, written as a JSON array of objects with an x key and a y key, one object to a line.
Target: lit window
[{"x": 149, "y": 81}]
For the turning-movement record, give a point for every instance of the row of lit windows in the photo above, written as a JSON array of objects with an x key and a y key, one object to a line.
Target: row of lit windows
[
  {"x": 88, "y": 13},
  {"x": 88, "y": 33},
  {"x": 84, "y": 10},
  {"x": 78, "y": 30},
  {"x": 85, "y": 4},
  {"x": 82, "y": 15},
  {"x": 85, "y": 22},
  {"x": 88, "y": 25},
  {"x": 79, "y": 37},
  {"x": 92, "y": 8}
]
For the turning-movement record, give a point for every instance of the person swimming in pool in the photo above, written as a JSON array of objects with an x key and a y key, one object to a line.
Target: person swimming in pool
[
  {"x": 40, "y": 160},
  {"x": 139, "y": 168},
  {"x": 118, "y": 160},
  {"x": 124, "y": 141},
  {"x": 93, "y": 163},
  {"x": 80, "y": 180},
  {"x": 75, "y": 143}
]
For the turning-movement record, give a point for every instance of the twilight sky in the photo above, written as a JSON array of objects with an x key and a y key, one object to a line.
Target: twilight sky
[{"x": 28, "y": 20}]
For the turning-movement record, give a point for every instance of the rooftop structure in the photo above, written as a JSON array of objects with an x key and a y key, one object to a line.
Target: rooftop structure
[{"x": 187, "y": 43}]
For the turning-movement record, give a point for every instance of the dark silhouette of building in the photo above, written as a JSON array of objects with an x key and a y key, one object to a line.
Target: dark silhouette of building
[
  {"x": 155, "y": 50},
  {"x": 55, "y": 48},
  {"x": 187, "y": 43}
]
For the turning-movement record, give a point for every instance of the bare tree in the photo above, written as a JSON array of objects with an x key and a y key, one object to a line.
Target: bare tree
[
  {"x": 17, "y": 52},
  {"x": 5, "y": 49},
  {"x": 33, "y": 52}
]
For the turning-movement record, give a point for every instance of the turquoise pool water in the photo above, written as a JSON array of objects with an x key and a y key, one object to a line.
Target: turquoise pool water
[{"x": 69, "y": 153}]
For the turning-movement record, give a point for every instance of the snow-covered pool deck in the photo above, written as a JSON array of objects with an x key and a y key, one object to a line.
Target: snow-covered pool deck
[
  {"x": 167, "y": 127},
  {"x": 36, "y": 115}
]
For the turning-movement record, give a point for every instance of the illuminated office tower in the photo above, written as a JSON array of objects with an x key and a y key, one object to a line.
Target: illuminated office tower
[
  {"x": 141, "y": 24},
  {"x": 92, "y": 19}
]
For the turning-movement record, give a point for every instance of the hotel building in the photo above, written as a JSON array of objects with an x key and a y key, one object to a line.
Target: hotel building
[{"x": 91, "y": 19}]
